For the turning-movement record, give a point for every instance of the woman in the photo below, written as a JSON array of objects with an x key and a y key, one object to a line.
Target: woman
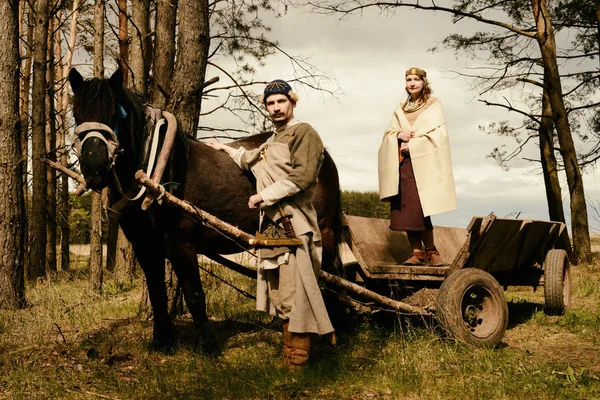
[{"x": 415, "y": 168}]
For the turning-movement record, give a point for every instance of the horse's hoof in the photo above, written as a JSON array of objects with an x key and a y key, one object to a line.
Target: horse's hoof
[
  {"x": 162, "y": 346},
  {"x": 206, "y": 340}
]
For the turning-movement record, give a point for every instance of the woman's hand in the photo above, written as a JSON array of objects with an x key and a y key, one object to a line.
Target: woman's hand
[
  {"x": 406, "y": 136},
  {"x": 404, "y": 147}
]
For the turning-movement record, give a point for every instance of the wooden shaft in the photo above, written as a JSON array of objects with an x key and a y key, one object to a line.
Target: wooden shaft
[
  {"x": 66, "y": 171},
  {"x": 369, "y": 294},
  {"x": 227, "y": 229}
]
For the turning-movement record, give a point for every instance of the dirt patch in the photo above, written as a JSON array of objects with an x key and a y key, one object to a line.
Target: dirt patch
[{"x": 555, "y": 345}]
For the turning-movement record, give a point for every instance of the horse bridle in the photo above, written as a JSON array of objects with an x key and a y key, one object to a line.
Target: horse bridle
[{"x": 89, "y": 130}]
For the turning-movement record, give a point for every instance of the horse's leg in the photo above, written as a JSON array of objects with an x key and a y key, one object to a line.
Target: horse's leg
[
  {"x": 148, "y": 246},
  {"x": 184, "y": 259}
]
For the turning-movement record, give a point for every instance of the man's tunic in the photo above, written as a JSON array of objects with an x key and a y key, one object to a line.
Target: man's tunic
[{"x": 286, "y": 167}]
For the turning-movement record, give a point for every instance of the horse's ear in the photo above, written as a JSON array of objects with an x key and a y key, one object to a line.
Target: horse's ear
[
  {"x": 116, "y": 80},
  {"x": 76, "y": 80}
]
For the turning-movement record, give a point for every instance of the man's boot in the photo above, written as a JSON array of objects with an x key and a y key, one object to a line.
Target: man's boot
[{"x": 296, "y": 349}]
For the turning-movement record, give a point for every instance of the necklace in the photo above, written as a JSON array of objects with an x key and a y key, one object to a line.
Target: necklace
[{"x": 413, "y": 105}]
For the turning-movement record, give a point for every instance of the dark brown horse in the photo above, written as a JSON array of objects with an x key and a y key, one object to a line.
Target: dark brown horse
[{"x": 207, "y": 178}]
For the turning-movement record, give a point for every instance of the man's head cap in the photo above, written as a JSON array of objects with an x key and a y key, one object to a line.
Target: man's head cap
[
  {"x": 279, "y": 86},
  {"x": 416, "y": 71}
]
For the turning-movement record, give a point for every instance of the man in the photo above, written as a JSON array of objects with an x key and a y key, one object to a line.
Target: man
[{"x": 286, "y": 168}]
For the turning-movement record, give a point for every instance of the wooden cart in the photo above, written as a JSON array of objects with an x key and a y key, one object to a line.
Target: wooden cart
[
  {"x": 465, "y": 295},
  {"x": 469, "y": 301}
]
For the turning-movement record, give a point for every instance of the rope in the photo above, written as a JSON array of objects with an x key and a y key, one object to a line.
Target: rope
[{"x": 243, "y": 292}]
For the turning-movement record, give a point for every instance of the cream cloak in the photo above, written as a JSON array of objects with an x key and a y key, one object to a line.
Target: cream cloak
[{"x": 430, "y": 156}]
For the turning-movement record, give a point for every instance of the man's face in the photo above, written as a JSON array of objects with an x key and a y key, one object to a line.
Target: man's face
[{"x": 280, "y": 108}]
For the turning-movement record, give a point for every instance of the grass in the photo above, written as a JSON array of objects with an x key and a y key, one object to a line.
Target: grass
[{"x": 73, "y": 343}]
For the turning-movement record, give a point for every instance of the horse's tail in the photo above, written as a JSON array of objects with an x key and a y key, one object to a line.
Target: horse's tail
[{"x": 339, "y": 235}]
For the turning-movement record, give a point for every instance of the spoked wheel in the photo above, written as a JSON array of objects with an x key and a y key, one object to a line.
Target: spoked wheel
[
  {"x": 471, "y": 306},
  {"x": 557, "y": 282}
]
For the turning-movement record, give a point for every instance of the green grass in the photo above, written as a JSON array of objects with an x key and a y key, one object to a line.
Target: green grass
[{"x": 73, "y": 343}]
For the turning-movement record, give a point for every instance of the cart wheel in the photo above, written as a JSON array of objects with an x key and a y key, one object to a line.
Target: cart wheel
[
  {"x": 557, "y": 282},
  {"x": 471, "y": 306}
]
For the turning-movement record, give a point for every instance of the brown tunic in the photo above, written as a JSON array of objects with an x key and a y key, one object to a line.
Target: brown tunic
[{"x": 406, "y": 213}]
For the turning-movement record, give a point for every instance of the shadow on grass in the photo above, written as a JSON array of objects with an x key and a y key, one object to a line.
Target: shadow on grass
[{"x": 521, "y": 311}]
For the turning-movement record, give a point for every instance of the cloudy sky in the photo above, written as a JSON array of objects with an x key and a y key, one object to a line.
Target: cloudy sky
[{"x": 368, "y": 55}]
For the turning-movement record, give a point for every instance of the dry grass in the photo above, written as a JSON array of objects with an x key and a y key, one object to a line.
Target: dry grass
[{"x": 72, "y": 343}]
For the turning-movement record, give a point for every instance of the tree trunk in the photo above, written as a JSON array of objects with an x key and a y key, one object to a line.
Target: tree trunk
[
  {"x": 37, "y": 237},
  {"x": 123, "y": 42},
  {"x": 65, "y": 205},
  {"x": 125, "y": 260},
  {"x": 12, "y": 245},
  {"x": 141, "y": 50},
  {"x": 552, "y": 83},
  {"x": 96, "y": 224},
  {"x": 192, "y": 55},
  {"x": 164, "y": 52},
  {"x": 598, "y": 24},
  {"x": 51, "y": 154},
  {"x": 24, "y": 112},
  {"x": 113, "y": 224},
  {"x": 550, "y": 171}
]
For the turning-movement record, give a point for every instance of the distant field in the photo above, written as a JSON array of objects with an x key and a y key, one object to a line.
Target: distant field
[{"x": 73, "y": 343}]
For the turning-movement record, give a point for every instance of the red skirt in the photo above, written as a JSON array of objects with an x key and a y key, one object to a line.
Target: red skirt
[{"x": 406, "y": 213}]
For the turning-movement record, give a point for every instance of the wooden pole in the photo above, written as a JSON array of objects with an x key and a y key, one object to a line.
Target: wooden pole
[
  {"x": 369, "y": 294},
  {"x": 229, "y": 230}
]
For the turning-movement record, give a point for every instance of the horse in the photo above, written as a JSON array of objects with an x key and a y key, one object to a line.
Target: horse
[{"x": 206, "y": 178}]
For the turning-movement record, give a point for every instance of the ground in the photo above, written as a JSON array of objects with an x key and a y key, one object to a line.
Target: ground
[{"x": 74, "y": 343}]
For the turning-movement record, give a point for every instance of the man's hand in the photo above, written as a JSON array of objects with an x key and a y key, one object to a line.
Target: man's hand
[
  {"x": 406, "y": 136},
  {"x": 254, "y": 201},
  {"x": 404, "y": 147},
  {"x": 220, "y": 147}
]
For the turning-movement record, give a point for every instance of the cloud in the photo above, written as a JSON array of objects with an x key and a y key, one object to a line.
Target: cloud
[{"x": 368, "y": 55}]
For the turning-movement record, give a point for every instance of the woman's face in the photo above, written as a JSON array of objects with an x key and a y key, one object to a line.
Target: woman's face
[{"x": 414, "y": 85}]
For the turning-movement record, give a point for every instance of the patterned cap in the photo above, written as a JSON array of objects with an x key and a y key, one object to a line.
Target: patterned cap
[
  {"x": 416, "y": 71},
  {"x": 278, "y": 86}
]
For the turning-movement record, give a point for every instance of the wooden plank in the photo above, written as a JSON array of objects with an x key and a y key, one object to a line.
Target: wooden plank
[
  {"x": 373, "y": 243},
  {"x": 410, "y": 277},
  {"x": 476, "y": 231},
  {"x": 406, "y": 269}
]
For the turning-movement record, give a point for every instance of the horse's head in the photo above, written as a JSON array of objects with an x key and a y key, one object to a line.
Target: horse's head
[{"x": 97, "y": 112}]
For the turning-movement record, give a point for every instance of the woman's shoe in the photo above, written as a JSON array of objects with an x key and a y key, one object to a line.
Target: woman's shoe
[
  {"x": 416, "y": 258},
  {"x": 434, "y": 257}
]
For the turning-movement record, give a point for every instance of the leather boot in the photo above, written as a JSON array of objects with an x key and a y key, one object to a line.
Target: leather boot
[
  {"x": 416, "y": 258},
  {"x": 434, "y": 257},
  {"x": 296, "y": 354}
]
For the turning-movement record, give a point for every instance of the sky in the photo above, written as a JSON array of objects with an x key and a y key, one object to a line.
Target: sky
[{"x": 368, "y": 55}]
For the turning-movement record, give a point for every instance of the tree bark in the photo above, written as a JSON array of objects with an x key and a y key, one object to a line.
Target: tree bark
[
  {"x": 51, "y": 154},
  {"x": 123, "y": 42},
  {"x": 141, "y": 50},
  {"x": 64, "y": 207},
  {"x": 96, "y": 272},
  {"x": 164, "y": 52},
  {"x": 550, "y": 171},
  {"x": 12, "y": 244},
  {"x": 552, "y": 83},
  {"x": 192, "y": 57},
  {"x": 124, "y": 62},
  {"x": 598, "y": 24},
  {"x": 37, "y": 237},
  {"x": 24, "y": 112},
  {"x": 125, "y": 260}
]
